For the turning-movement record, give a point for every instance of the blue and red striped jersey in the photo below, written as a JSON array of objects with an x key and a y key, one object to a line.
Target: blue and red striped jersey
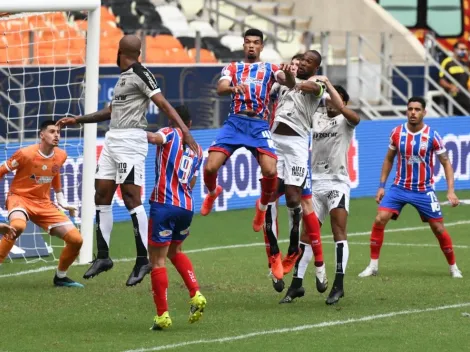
[
  {"x": 175, "y": 166},
  {"x": 415, "y": 157},
  {"x": 258, "y": 78}
]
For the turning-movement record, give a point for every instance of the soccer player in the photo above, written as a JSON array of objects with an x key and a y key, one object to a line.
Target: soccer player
[
  {"x": 415, "y": 143},
  {"x": 249, "y": 84},
  {"x": 122, "y": 159},
  {"x": 171, "y": 213},
  {"x": 332, "y": 134},
  {"x": 291, "y": 134},
  {"x": 37, "y": 169}
]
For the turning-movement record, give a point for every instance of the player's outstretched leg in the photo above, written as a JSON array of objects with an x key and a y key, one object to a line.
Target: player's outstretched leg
[
  {"x": 215, "y": 160},
  {"x": 104, "y": 226},
  {"x": 269, "y": 183},
  {"x": 142, "y": 266},
  {"x": 295, "y": 289},
  {"x": 18, "y": 222},
  {"x": 104, "y": 193},
  {"x": 270, "y": 230},
  {"x": 185, "y": 268},
  {"x": 73, "y": 242},
  {"x": 376, "y": 241},
  {"x": 445, "y": 242}
]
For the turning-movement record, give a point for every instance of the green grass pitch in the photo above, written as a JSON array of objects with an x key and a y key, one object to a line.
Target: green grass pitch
[{"x": 404, "y": 308}]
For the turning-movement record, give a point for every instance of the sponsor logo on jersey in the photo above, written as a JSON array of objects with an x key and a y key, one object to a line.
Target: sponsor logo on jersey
[
  {"x": 298, "y": 171},
  {"x": 165, "y": 233},
  {"x": 322, "y": 135},
  {"x": 151, "y": 79},
  {"x": 120, "y": 97},
  {"x": 40, "y": 180}
]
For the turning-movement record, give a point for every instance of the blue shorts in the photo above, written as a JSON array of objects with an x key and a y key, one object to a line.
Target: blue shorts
[
  {"x": 167, "y": 224},
  {"x": 426, "y": 203},
  {"x": 243, "y": 131}
]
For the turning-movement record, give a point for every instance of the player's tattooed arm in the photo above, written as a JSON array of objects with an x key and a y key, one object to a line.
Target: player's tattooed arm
[
  {"x": 99, "y": 116},
  {"x": 449, "y": 173}
]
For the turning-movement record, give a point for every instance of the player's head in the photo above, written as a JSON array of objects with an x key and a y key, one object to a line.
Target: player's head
[
  {"x": 309, "y": 64},
  {"x": 295, "y": 62},
  {"x": 252, "y": 44},
  {"x": 49, "y": 133},
  {"x": 460, "y": 50},
  {"x": 331, "y": 109},
  {"x": 416, "y": 109},
  {"x": 129, "y": 51},
  {"x": 183, "y": 111}
]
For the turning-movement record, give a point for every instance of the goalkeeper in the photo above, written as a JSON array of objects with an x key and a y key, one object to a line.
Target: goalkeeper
[
  {"x": 122, "y": 160},
  {"x": 37, "y": 168}
]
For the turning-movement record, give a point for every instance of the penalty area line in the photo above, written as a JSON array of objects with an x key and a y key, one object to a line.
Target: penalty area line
[
  {"x": 258, "y": 244},
  {"x": 324, "y": 324}
]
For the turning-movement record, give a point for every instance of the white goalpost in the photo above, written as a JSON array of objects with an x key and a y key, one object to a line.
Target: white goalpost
[{"x": 46, "y": 69}]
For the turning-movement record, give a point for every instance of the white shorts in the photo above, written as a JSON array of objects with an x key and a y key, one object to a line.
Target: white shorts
[
  {"x": 328, "y": 195},
  {"x": 123, "y": 156},
  {"x": 292, "y": 159}
]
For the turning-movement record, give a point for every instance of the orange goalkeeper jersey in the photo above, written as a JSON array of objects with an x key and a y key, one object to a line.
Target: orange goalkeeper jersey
[{"x": 35, "y": 172}]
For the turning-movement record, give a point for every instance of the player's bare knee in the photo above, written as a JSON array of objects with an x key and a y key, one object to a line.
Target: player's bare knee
[
  {"x": 437, "y": 227},
  {"x": 131, "y": 199},
  {"x": 293, "y": 196},
  {"x": 381, "y": 219},
  {"x": 173, "y": 250},
  {"x": 307, "y": 206},
  {"x": 19, "y": 224}
]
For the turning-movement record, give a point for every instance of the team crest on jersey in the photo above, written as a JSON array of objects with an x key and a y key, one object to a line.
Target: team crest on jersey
[
  {"x": 261, "y": 67},
  {"x": 44, "y": 167},
  {"x": 122, "y": 83},
  {"x": 423, "y": 145}
]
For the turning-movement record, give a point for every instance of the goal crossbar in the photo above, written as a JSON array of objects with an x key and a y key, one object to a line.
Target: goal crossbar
[{"x": 91, "y": 100}]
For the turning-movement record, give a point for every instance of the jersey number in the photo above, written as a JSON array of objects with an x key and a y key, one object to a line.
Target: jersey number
[
  {"x": 267, "y": 135},
  {"x": 186, "y": 164},
  {"x": 435, "y": 206}
]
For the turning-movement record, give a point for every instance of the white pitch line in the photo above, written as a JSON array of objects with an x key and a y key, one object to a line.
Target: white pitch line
[
  {"x": 257, "y": 244},
  {"x": 401, "y": 244},
  {"x": 324, "y": 324}
]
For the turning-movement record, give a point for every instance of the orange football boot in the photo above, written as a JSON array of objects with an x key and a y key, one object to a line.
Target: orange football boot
[
  {"x": 289, "y": 261},
  {"x": 259, "y": 219},
  {"x": 209, "y": 201},
  {"x": 276, "y": 266}
]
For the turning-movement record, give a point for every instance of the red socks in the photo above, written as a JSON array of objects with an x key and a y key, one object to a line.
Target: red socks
[
  {"x": 159, "y": 279},
  {"x": 312, "y": 226},
  {"x": 210, "y": 180},
  {"x": 268, "y": 187},
  {"x": 376, "y": 240},
  {"x": 184, "y": 266},
  {"x": 446, "y": 246}
]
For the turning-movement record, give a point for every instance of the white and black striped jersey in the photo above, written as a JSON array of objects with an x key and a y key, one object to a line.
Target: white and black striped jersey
[{"x": 132, "y": 94}]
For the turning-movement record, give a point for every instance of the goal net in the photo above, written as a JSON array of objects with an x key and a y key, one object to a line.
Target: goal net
[{"x": 43, "y": 65}]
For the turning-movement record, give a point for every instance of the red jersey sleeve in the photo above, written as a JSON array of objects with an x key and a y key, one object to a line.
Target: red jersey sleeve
[
  {"x": 394, "y": 139},
  {"x": 438, "y": 144},
  {"x": 228, "y": 72},
  {"x": 275, "y": 70},
  {"x": 167, "y": 134}
]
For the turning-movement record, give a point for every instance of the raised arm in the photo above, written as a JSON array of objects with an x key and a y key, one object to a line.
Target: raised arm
[
  {"x": 285, "y": 76},
  {"x": 98, "y": 116}
]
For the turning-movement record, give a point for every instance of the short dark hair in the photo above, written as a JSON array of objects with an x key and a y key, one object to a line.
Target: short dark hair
[
  {"x": 317, "y": 56},
  {"x": 46, "y": 124},
  {"x": 183, "y": 111},
  {"x": 253, "y": 32},
  {"x": 417, "y": 100},
  {"x": 456, "y": 45},
  {"x": 297, "y": 57},
  {"x": 341, "y": 91}
]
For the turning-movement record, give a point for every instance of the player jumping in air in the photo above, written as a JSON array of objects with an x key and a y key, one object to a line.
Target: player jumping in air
[
  {"x": 415, "y": 143},
  {"x": 37, "y": 169},
  {"x": 249, "y": 84},
  {"x": 291, "y": 134},
  {"x": 332, "y": 134},
  {"x": 123, "y": 156},
  {"x": 171, "y": 213}
]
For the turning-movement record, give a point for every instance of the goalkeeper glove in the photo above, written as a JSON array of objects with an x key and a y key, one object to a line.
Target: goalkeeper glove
[{"x": 59, "y": 196}]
